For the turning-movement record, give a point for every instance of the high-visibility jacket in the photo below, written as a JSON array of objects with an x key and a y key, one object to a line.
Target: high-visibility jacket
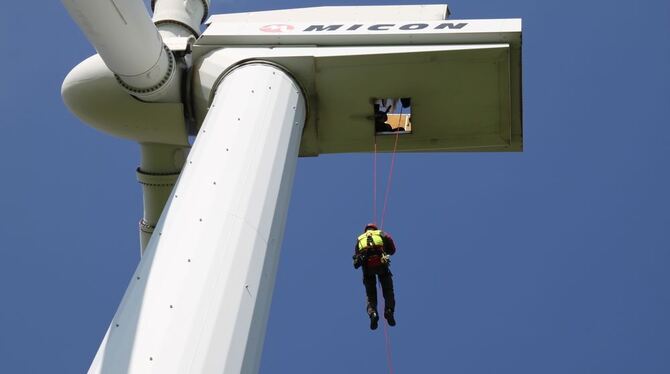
[
  {"x": 370, "y": 240},
  {"x": 372, "y": 244}
]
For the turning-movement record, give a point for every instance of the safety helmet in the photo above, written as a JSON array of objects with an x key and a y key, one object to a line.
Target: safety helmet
[{"x": 370, "y": 226}]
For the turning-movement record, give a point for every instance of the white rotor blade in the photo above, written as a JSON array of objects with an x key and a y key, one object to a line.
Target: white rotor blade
[
  {"x": 180, "y": 17},
  {"x": 125, "y": 37}
]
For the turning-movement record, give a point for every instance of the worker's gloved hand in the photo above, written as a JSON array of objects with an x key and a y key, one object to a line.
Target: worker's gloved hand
[
  {"x": 386, "y": 259},
  {"x": 358, "y": 261}
]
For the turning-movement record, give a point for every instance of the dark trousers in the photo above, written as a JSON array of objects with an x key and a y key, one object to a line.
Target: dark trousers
[{"x": 385, "y": 279}]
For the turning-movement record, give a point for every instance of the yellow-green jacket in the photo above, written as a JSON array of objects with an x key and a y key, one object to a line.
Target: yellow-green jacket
[{"x": 372, "y": 244}]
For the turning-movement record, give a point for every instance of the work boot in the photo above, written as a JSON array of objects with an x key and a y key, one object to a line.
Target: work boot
[
  {"x": 388, "y": 314},
  {"x": 374, "y": 320}
]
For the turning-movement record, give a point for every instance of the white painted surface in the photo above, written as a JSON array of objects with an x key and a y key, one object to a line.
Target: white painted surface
[
  {"x": 345, "y": 32},
  {"x": 93, "y": 94},
  {"x": 179, "y": 18},
  {"x": 356, "y": 13},
  {"x": 465, "y": 96},
  {"x": 119, "y": 30},
  {"x": 160, "y": 165},
  {"x": 200, "y": 297}
]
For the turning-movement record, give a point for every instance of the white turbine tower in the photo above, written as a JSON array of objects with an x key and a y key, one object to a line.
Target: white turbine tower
[{"x": 259, "y": 89}]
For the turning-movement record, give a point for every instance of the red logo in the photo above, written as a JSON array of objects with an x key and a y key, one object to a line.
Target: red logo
[{"x": 277, "y": 28}]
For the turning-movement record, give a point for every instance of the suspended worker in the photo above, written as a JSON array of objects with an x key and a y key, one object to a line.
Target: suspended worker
[{"x": 372, "y": 251}]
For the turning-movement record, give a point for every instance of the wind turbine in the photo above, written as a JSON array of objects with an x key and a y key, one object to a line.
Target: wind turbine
[{"x": 258, "y": 90}]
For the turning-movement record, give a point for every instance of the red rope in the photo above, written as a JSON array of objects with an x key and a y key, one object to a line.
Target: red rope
[
  {"x": 388, "y": 182},
  {"x": 389, "y": 357},
  {"x": 374, "y": 184},
  {"x": 387, "y": 337}
]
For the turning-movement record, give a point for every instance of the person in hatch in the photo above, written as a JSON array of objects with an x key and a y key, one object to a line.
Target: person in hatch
[{"x": 372, "y": 251}]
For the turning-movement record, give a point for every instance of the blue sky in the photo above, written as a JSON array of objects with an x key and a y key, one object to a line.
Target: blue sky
[{"x": 554, "y": 260}]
